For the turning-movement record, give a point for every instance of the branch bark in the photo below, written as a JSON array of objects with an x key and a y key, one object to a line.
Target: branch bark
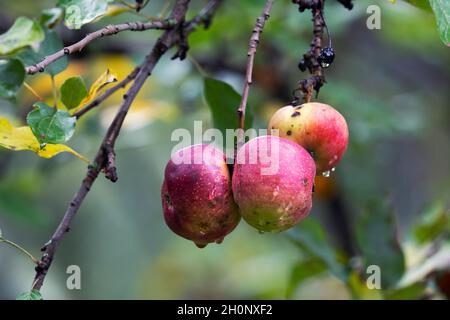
[
  {"x": 105, "y": 95},
  {"x": 106, "y": 31},
  {"x": 252, "y": 46},
  {"x": 317, "y": 79},
  {"x": 105, "y": 157},
  {"x": 310, "y": 59}
]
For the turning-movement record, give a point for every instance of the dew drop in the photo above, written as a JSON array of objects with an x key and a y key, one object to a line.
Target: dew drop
[
  {"x": 324, "y": 64},
  {"x": 200, "y": 245},
  {"x": 326, "y": 174},
  {"x": 333, "y": 169}
]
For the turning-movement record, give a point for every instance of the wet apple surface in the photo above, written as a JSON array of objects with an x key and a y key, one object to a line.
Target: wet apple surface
[
  {"x": 317, "y": 127},
  {"x": 196, "y": 195},
  {"x": 272, "y": 183}
]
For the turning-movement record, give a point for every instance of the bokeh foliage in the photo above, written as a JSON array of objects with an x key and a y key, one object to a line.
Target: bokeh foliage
[{"x": 386, "y": 204}]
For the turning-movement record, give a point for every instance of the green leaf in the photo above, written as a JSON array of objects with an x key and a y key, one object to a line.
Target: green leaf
[
  {"x": 12, "y": 75},
  {"x": 51, "y": 17},
  {"x": 422, "y": 4},
  {"x": 310, "y": 237},
  {"x": 441, "y": 9},
  {"x": 224, "y": 101},
  {"x": 81, "y": 12},
  {"x": 434, "y": 222},
  {"x": 376, "y": 235},
  {"x": 50, "y": 125},
  {"x": 31, "y": 295},
  {"x": 50, "y": 45},
  {"x": 411, "y": 292},
  {"x": 24, "y": 32},
  {"x": 73, "y": 91},
  {"x": 359, "y": 289},
  {"x": 303, "y": 271},
  {"x": 23, "y": 138}
]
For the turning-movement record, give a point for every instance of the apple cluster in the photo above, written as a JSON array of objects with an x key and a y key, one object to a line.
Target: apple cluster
[{"x": 203, "y": 202}]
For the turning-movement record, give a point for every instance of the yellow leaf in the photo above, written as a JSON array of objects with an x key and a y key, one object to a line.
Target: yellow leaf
[
  {"x": 22, "y": 138},
  {"x": 43, "y": 85},
  {"x": 97, "y": 87},
  {"x": 114, "y": 10}
]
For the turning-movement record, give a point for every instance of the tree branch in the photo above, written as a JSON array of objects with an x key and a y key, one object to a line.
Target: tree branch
[
  {"x": 105, "y": 157},
  {"x": 107, "y": 93},
  {"x": 106, "y": 31},
  {"x": 317, "y": 79},
  {"x": 310, "y": 59},
  {"x": 253, "y": 44},
  {"x": 347, "y": 4}
]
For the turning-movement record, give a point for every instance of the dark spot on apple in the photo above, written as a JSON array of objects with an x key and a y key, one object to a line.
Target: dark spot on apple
[
  {"x": 289, "y": 132},
  {"x": 203, "y": 225},
  {"x": 295, "y": 114},
  {"x": 212, "y": 203},
  {"x": 167, "y": 199}
]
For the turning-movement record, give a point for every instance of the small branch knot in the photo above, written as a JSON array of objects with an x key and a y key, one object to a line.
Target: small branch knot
[
  {"x": 110, "y": 164},
  {"x": 183, "y": 45}
]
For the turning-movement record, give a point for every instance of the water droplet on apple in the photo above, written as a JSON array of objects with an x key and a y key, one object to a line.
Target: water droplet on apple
[{"x": 326, "y": 174}]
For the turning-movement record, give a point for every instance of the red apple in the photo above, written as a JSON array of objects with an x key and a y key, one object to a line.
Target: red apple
[
  {"x": 196, "y": 195},
  {"x": 272, "y": 183},
  {"x": 317, "y": 127}
]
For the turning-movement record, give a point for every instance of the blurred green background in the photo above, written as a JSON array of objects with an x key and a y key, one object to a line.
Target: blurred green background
[{"x": 392, "y": 85}]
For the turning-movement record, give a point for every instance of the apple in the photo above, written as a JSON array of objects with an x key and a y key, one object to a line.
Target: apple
[
  {"x": 196, "y": 195},
  {"x": 272, "y": 183},
  {"x": 317, "y": 127}
]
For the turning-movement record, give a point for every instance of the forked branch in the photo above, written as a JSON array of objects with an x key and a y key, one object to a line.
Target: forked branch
[
  {"x": 106, "y": 31},
  {"x": 105, "y": 158}
]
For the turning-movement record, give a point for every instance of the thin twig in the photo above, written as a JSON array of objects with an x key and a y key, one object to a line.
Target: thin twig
[
  {"x": 311, "y": 58},
  {"x": 347, "y": 4},
  {"x": 253, "y": 44},
  {"x": 317, "y": 79},
  {"x": 106, "y": 31},
  {"x": 29, "y": 88},
  {"x": 54, "y": 91},
  {"x": 107, "y": 93},
  {"x": 21, "y": 249},
  {"x": 104, "y": 159}
]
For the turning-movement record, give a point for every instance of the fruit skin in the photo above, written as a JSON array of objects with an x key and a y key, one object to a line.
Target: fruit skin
[
  {"x": 197, "y": 201},
  {"x": 317, "y": 127},
  {"x": 273, "y": 202}
]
